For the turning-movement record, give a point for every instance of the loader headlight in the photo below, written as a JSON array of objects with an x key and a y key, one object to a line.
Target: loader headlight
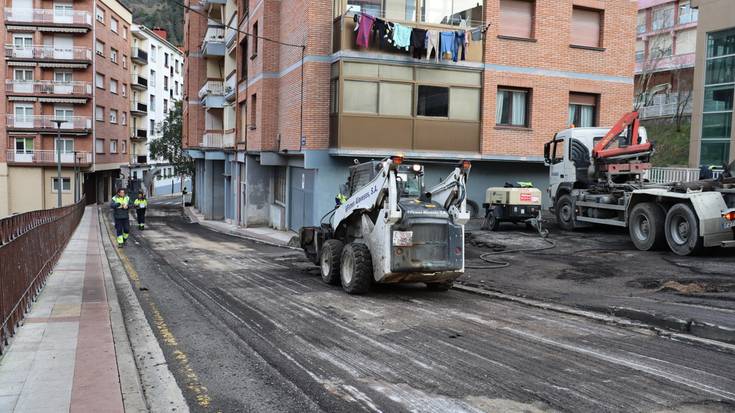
[
  {"x": 466, "y": 165},
  {"x": 416, "y": 168}
]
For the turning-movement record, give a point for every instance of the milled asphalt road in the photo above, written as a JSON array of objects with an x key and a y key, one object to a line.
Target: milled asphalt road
[{"x": 247, "y": 327}]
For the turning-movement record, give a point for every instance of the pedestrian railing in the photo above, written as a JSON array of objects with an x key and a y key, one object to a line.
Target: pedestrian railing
[
  {"x": 666, "y": 175},
  {"x": 30, "y": 245}
]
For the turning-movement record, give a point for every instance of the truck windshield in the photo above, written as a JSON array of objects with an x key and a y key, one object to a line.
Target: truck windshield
[{"x": 410, "y": 184}]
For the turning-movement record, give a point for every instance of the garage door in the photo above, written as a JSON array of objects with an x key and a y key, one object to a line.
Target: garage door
[{"x": 301, "y": 201}]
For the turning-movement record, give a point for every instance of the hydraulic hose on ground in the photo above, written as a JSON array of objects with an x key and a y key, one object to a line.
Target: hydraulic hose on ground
[{"x": 503, "y": 264}]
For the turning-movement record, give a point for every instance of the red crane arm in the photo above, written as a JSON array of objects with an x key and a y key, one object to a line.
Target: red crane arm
[{"x": 629, "y": 121}]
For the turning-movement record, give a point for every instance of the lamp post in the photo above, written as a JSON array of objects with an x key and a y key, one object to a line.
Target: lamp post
[{"x": 58, "y": 123}]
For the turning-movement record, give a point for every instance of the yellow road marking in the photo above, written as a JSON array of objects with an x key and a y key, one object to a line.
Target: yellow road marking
[{"x": 192, "y": 380}]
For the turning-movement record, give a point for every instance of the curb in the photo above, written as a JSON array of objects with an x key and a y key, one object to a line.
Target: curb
[
  {"x": 162, "y": 392},
  {"x": 621, "y": 321}
]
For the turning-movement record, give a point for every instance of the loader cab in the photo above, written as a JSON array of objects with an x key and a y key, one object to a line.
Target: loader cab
[{"x": 410, "y": 180}]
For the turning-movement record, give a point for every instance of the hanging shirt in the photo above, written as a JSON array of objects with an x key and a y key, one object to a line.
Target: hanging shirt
[
  {"x": 365, "y": 30},
  {"x": 448, "y": 45},
  {"x": 401, "y": 36},
  {"x": 459, "y": 45},
  {"x": 418, "y": 42},
  {"x": 383, "y": 32},
  {"x": 432, "y": 44}
]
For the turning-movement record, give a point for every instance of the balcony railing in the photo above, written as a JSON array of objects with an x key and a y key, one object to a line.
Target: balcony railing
[
  {"x": 48, "y": 157},
  {"x": 214, "y": 42},
  {"x": 138, "y": 159},
  {"x": 139, "y": 55},
  {"x": 138, "y": 81},
  {"x": 136, "y": 106},
  {"x": 228, "y": 139},
  {"x": 231, "y": 87},
  {"x": 47, "y": 16},
  {"x": 138, "y": 134},
  {"x": 212, "y": 87},
  {"x": 40, "y": 52},
  {"x": 213, "y": 139},
  {"x": 46, "y": 122},
  {"x": 667, "y": 175},
  {"x": 48, "y": 87},
  {"x": 664, "y": 106}
]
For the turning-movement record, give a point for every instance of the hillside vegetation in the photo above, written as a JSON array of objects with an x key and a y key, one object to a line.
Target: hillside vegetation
[
  {"x": 672, "y": 145},
  {"x": 166, "y": 14}
]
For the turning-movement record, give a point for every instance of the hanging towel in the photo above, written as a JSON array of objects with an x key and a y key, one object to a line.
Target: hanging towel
[
  {"x": 418, "y": 42},
  {"x": 448, "y": 45},
  {"x": 459, "y": 45},
  {"x": 401, "y": 36},
  {"x": 432, "y": 43},
  {"x": 366, "y": 28}
]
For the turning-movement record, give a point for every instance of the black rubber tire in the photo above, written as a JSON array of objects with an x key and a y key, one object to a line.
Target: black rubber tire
[
  {"x": 646, "y": 226},
  {"x": 682, "y": 230},
  {"x": 473, "y": 209},
  {"x": 329, "y": 259},
  {"x": 564, "y": 209},
  {"x": 357, "y": 262},
  {"x": 491, "y": 223},
  {"x": 440, "y": 286}
]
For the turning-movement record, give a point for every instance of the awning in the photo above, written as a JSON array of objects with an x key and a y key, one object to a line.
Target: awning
[
  {"x": 21, "y": 99},
  {"x": 22, "y": 64},
  {"x": 64, "y": 65},
  {"x": 63, "y": 29},
  {"x": 63, "y": 100}
]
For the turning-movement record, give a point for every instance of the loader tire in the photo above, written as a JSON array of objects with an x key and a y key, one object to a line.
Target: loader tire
[
  {"x": 565, "y": 212},
  {"x": 682, "y": 230},
  {"x": 646, "y": 226},
  {"x": 356, "y": 269},
  {"x": 329, "y": 261}
]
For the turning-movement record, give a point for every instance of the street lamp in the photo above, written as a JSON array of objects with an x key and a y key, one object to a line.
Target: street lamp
[{"x": 58, "y": 123}]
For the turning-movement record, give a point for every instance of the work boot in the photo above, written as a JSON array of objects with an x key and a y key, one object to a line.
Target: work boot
[
  {"x": 125, "y": 237},
  {"x": 120, "y": 241},
  {"x": 140, "y": 226}
]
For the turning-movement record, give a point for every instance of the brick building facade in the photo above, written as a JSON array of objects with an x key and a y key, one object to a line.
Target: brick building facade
[{"x": 291, "y": 127}]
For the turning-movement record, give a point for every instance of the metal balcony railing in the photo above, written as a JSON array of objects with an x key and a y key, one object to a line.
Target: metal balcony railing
[
  {"x": 228, "y": 139},
  {"x": 40, "y": 52},
  {"x": 48, "y": 87},
  {"x": 666, "y": 175},
  {"x": 137, "y": 54},
  {"x": 212, "y": 87},
  {"x": 214, "y": 34},
  {"x": 48, "y": 156},
  {"x": 46, "y": 122},
  {"x": 136, "y": 106},
  {"x": 138, "y": 80},
  {"x": 139, "y": 134},
  {"x": 665, "y": 106},
  {"x": 47, "y": 16},
  {"x": 213, "y": 139}
]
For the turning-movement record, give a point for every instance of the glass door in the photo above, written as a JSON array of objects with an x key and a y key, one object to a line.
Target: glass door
[
  {"x": 63, "y": 13},
  {"x": 67, "y": 150},
  {"x": 23, "y": 46},
  {"x": 23, "y": 115},
  {"x": 23, "y": 81},
  {"x": 23, "y": 149},
  {"x": 62, "y": 83},
  {"x": 66, "y": 114}
]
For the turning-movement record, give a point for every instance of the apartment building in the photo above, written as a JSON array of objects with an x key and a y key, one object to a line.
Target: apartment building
[
  {"x": 273, "y": 144},
  {"x": 157, "y": 84},
  {"x": 53, "y": 53},
  {"x": 665, "y": 49},
  {"x": 712, "y": 137}
]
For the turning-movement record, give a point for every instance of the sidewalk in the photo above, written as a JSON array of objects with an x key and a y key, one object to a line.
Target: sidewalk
[
  {"x": 263, "y": 234},
  {"x": 64, "y": 357}
]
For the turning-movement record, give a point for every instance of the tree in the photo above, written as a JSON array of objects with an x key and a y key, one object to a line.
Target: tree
[{"x": 168, "y": 146}]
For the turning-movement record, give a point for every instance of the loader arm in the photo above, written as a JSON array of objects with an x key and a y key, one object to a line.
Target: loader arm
[
  {"x": 451, "y": 193},
  {"x": 369, "y": 197}
]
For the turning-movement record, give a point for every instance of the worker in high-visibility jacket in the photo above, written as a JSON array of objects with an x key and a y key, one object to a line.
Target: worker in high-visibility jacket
[
  {"x": 121, "y": 213},
  {"x": 141, "y": 205}
]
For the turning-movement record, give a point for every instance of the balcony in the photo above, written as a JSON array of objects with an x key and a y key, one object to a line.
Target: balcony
[
  {"x": 213, "y": 44},
  {"x": 228, "y": 139},
  {"x": 48, "y": 157},
  {"x": 39, "y": 52},
  {"x": 666, "y": 106},
  {"x": 138, "y": 82},
  {"x": 138, "y": 159},
  {"x": 44, "y": 17},
  {"x": 48, "y": 87},
  {"x": 213, "y": 139},
  {"x": 230, "y": 37},
  {"x": 139, "y": 56},
  {"x": 138, "y": 108},
  {"x": 231, "y": 87},
  {"x": 45, "y": 123},
  {"x": 212, "y": 94},
  {"x": 139, "y": 135}
]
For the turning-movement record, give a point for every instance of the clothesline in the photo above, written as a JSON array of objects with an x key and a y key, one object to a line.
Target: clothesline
[{"x": 422, "y": 42}]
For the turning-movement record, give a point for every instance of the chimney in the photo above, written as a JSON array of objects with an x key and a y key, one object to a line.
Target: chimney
[{"x": 161, "y": 32}]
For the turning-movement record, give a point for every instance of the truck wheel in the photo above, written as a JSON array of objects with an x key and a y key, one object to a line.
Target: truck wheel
[
  {"x": 473, "y": 209},
  {"x": 329, "y": 261},
  {"x": 356, "y": 268},
  {"x": 682, "y": 230},
  {"x": 646, "y": 226},
  {"x": 565, "y": 212},
  {"x": 440, "y": 286},
  {"x": 491, "y": 221}
]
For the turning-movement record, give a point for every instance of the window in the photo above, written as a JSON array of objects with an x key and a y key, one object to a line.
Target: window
[
  {"x": 99, "y": 81},
  {"x": 176, "y": 87},
  {"x": 152, "y": 126},
  {"x": 22, "y": 75},
  {"x": 124, "y": 118},
  {"x": 582, "y": 110},
  {"x": 113, "y": 24},
  {"x": 687, "y": 14},
  {"x": 123, "y": 146},
  {"x": 154, "y": 51},
  {"x": 433, "y": 101},
  {"x": 719, "y": 91},
  {"x": 24, "y": 145},
  {"x": 663, "y": 17},
  {"x": 22, "y": 41},
  {"x": 244, "y": 58},
  {"x": 113, "y": 55},
  {"x": 279, "y": 185},
  {"x": 99, "y": 48},
  {"x": 100, "y": 15},
  {"x": 23, "y": 114},
  {"x": 686, "y": 41},
  {"x": 660, "y": 46},
  {"x": 125, "y": 61},
  {"x": 64, "y": 113},
  {"x": 165, "y": 59},
  {"x": 113, "y": 86},
  {"x": 511, "y": 107},
  {"x": 641, "y": 22},
  {"x": 66, "y": 145},
  {"x": 113, "y": 115},
  {"x": 586, "y": 27},
  {"x": 152, "y": 105},
  {"x": 152, "y": 80},
  {"x": 449, "y": 12},
  {"x": 254, "y": 38},
  {"x": 360, "y": 97},
  {"x": 253, "y": 110},
  {"x": 99, "y": 113},
  {"x": 124, "y": 89},
  {"x": 125, "y": 32},
  {"x": 640, "y": 51},
  {"x": 113, "y": 146},
  {"x": 517, "y": 18},
  {"x": 99, "y": 146},
  {"x": 165, "y": 106},
  {"x": 165, "y": 82},
  {"x": 65, "y": 184}
]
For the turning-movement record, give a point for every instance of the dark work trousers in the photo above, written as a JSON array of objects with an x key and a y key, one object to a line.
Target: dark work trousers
[
  {"x": 140, "y": 214},
  {"x": 122, "y": 226}
]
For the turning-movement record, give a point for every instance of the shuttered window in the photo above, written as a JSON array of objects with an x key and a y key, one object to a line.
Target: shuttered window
[
  {"x": 516, "y": 18},
  {"x": 586, "y": 27}
]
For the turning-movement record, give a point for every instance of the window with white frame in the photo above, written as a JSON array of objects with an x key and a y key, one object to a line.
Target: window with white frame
[
  {"x": 125, "y": 32},
  {"x": 165, "y": 106},
  {"x": 65, "y": 184},
  {"x": 663, "y": 17},
  {"x": 64, "y": 113},
  {"x": 511, "y": 107},
  {"x": 113, "y": 115},
  {"x": 165, "y": 82},
  {"x": 152, "y": 126},
  {"x": 124, "y": 118},
  {"x": 113, "y": 146},
  {"x": 165, "y": 59},
  {"x": 100, "y": 15},
  {"x": 66, "y": 145},
  {"x": 152, "y": 80},
  {"x": 113, "y": 86},
  {"x": 99, "y": 146},
  {"x": 152, "y": 105},
  {"x": 24, "y": 145},
  {"x": 154, "y": 52},
  {"x": 582, "y": 110},
  {"x": 113, "y": 55},
  {"x": 113, "y": 24},
  {"x": 99, "y": 113},
  {"x": 687, "y": 14},
  {"x": 99, "y": 48},
  {"x": 99, "y": 80},
  {"x": 124, "y": 89},
  {"x": 123, "y": 146},
  {"x": 125, "y": 61}
]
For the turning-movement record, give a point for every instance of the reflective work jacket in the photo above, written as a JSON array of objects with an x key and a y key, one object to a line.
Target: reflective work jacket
[
  {"x": 141, "y": 203},
  {"x": 117, "y": 206}
]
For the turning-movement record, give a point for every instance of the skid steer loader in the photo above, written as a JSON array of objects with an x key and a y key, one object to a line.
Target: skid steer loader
[{"x": 391, "y": 229}]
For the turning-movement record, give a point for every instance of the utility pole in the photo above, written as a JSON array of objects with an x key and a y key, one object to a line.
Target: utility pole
[{"x": 58, "y": 123}]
